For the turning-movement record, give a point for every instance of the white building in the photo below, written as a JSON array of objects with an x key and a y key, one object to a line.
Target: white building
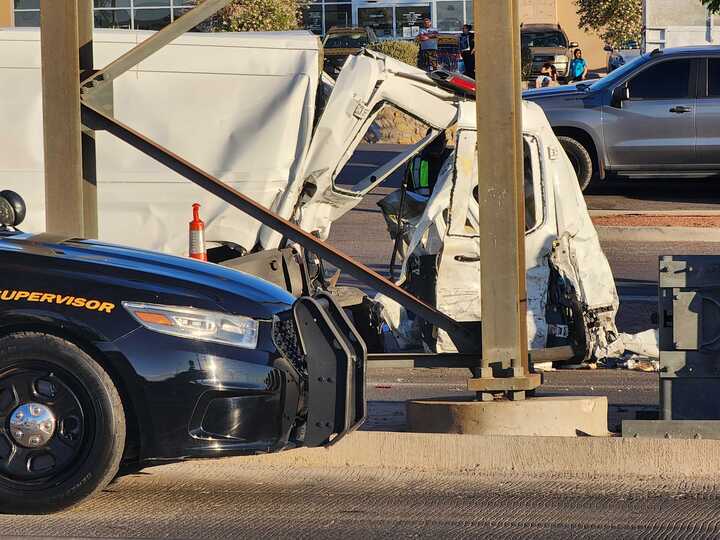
[{"x": 674, "y": 23}]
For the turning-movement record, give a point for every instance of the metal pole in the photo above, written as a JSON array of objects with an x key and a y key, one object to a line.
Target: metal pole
[
  {"x": 501, "y": 197},
  {"x": 61, "y": 117},
  {"x": 89, "y": 159}
]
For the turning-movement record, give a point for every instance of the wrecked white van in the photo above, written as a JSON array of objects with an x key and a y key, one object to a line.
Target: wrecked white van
[{"x": 248, "y": 109}]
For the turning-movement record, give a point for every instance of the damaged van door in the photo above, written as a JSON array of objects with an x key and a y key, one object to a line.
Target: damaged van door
[{"x": 571, "y": 293}]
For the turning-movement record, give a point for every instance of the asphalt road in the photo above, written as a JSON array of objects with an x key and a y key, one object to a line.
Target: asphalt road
[{"x": 228, "y": 499}]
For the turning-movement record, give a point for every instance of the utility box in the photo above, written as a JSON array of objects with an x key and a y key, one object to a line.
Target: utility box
[{"x": 689, "y": 324}]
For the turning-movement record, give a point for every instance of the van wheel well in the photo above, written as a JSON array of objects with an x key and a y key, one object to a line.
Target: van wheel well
[
  {"x": 132, "y": 438},
  {"x": 584, "y": 138}
]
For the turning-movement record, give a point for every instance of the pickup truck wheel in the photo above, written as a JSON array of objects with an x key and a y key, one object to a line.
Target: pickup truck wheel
[
  {"x": 580, "y": 159},
  {"x": 62, "y": 426}
]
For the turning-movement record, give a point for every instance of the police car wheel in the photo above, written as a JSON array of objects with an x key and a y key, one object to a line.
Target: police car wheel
[{"x": 62, "y": 426}]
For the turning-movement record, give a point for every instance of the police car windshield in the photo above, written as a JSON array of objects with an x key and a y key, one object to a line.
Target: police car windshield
[
  {"x": 346, "y": 41},
  {"x": 543, "y": 39}
]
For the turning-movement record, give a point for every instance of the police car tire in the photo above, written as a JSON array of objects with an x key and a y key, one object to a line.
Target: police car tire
[
  {"x": 580, "y": 159},
  {"x": 102, "y": 454}
]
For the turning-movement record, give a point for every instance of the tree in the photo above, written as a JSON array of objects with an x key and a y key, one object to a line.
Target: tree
[
  {"x": 258, "y": 16},
  {"x": 712, "y": 5},
  {"x": 615, "y": 21}
]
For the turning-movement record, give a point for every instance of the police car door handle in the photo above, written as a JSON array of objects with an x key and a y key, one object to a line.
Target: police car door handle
[{"x": 681, "y": 109}]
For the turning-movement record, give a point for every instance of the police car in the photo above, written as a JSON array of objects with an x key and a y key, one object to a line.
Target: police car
[{"x": 114, "y": 357}]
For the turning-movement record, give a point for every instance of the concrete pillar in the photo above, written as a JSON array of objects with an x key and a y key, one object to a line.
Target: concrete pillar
[
  {"x": 61, "y": 117},
  {"x": 89, "y": 169},
  {"x": 500, "y": 181}
]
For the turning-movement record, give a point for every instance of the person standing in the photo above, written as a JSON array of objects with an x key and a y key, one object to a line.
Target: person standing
[
  {"x": 578, "y": 67},
  {"x": 428, "y": 40},
  {"x": 467, "y": 49}
]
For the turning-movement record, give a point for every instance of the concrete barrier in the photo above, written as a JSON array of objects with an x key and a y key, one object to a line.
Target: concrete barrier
[
  {"x": 582, "y": 457},
  {"x": 657, "y": 234}
]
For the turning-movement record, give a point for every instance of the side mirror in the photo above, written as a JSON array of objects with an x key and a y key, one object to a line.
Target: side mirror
[
  {"x": 620, "y": 94},
  {"x": 573, "y": 45},
  {"x": 608, "y": 48},
  {"x": 12, "y": 209}
]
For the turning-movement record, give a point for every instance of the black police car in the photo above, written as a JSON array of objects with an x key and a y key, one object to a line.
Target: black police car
[{"x": 112, "y": 357}]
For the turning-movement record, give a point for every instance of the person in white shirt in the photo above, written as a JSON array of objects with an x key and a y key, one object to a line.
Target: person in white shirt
[{"x": 428, "y": 40}]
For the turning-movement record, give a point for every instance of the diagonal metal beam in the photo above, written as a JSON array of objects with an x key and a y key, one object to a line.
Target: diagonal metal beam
[
  {"x": 154, "y": 43},
  {"x": 95, "y": 119}
]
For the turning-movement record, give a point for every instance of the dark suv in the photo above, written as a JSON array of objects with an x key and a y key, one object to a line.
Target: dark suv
[{"x": 658, "y": 115}]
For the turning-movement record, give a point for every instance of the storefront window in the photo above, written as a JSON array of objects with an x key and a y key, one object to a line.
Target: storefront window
[
  {"x": 313, "y": 19},
  {"x": 450, "y": 16},
  {"x": 408, "y": 20},
  {"x": 152, "y": 19},
  {"x": 337, "y": 15},
  {"x": 113, "y": 18},
  {"x": 379, "y": 19},
  {"x": 137, "y": 14}
]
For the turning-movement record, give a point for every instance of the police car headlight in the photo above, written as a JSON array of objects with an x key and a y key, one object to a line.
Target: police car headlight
[{"x": 199, "y": 324}]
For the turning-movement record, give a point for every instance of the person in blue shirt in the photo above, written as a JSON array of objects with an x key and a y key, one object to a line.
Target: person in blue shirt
[{"x": 578, "y": 67}]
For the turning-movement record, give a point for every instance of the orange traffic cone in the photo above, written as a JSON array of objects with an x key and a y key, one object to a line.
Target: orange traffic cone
[{"x": 197, "y": 236}]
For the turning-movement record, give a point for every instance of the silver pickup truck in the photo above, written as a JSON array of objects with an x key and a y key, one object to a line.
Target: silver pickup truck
[{"x": 658, "y": 115}]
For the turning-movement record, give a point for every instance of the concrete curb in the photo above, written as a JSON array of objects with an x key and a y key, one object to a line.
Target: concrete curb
[
  {"x": 581, "y": 457},
  {"x": 657, "y": 234}
]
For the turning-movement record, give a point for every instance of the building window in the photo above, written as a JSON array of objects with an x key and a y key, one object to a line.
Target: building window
[
  {"x": 379, "y": 19},
  {"x": 313, "y": 19},
  {"x": 450, "y": 16},
  {"x": 127, "y": 14},
  {"x": 408, "y": 20},
  {"x": 337, "y": 15},
  {"x": 27, "y": 12},
  {"x": 321, "y": 15}
]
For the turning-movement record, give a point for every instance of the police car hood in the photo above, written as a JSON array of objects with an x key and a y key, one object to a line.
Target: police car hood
[{"x": 157, "y": 276}]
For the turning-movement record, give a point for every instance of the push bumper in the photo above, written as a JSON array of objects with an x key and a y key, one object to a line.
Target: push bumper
[{"x": 320, "y": 340}]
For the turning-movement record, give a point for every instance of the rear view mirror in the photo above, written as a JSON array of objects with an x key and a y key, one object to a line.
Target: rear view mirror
[
  {"x": 620, "y": 94},
  {"x": 573, "y": 44}
]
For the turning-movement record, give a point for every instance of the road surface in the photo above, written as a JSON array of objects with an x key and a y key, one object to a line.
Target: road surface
[{"x": 226, "y": 499}]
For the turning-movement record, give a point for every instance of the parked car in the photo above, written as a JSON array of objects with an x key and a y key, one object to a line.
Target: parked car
[
  {"x": 547, "y": 43},
  {"x": 622, "y": 55},
  {"x": 657, "y": 115},
  {"x": 342, "y": 41}
]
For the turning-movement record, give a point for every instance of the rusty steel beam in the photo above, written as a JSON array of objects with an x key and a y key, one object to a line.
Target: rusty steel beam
[{"x": 97, "y": 120}]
